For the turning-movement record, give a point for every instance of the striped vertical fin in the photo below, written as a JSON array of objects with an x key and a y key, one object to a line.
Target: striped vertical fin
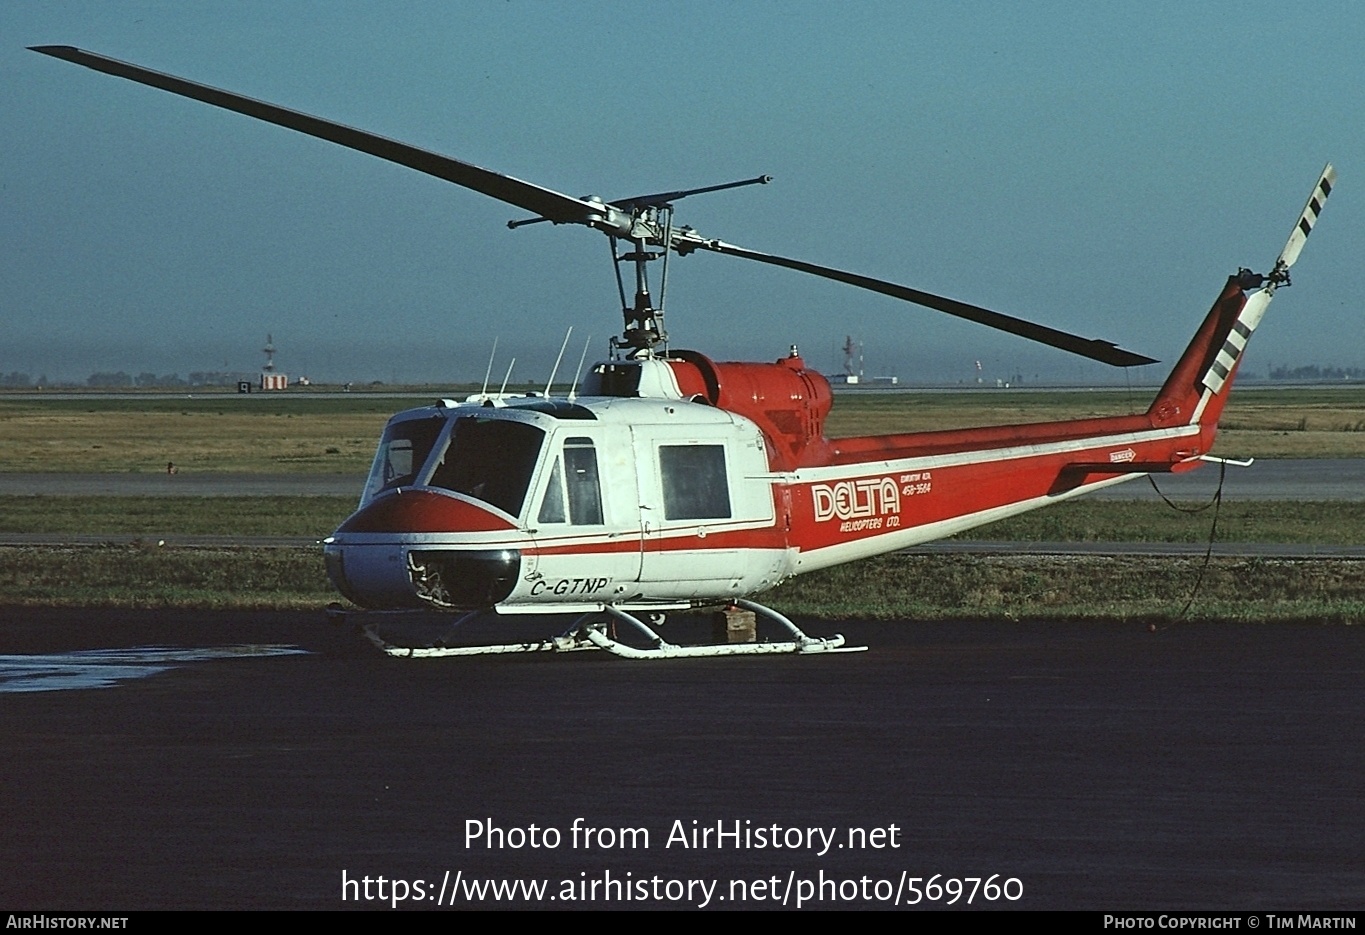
[{"x": 1236, "y": 341}]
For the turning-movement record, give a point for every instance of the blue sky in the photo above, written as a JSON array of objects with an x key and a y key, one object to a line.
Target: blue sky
[{"x": 1097, "y": 167}]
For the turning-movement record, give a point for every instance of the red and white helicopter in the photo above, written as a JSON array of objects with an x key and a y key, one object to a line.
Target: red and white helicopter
[{"x": 672, "y": 481}]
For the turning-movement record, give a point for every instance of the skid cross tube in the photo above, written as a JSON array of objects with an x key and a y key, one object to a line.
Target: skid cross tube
[{"x": 589, "y": 631}]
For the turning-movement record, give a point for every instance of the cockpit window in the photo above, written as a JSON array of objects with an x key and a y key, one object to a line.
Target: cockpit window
[
  {"x": 552, "y": 507},
  {"x": 402, "y": 452},
  {"x": 581, "y": 482},
  {"x": 491, "y": 460}
]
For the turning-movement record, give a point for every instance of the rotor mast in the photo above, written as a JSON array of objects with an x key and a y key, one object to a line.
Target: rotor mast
[
  {"x": 643, "y": 221},
  {"x": 644, "y": 324},
  {"x": 650, "y": 225}
]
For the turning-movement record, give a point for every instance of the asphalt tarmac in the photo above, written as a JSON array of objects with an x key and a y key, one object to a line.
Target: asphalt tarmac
[{"x": 1096, "y": 766}]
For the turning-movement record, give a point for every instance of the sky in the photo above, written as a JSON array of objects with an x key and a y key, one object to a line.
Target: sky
[{"x": 1100, "y": 168}]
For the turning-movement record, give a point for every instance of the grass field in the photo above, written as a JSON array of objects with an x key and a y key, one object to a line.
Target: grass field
[
  {"x": 264, "y": 433},
  {"x": 133, "y": 576},
  {"x": 1022, "y": 588},
  {"x": 216, "y": 434},
  {"x": 899, "y": 587},
  {"x": 912, "y": 587}
]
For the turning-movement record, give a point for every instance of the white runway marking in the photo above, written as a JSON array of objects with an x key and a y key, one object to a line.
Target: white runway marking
[{"x": 104, "y": 668}]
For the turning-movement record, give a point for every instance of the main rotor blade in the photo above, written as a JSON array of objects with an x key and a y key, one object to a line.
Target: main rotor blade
[
  {"x": 659, "y": 199},
  {"x": 557, "y": 207},
  {"x": 1104, "y": 351},
  {"x": 562, "y": 209}
]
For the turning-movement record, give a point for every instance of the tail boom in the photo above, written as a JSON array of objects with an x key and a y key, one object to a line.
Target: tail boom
[{"x": 871, "y": 494}]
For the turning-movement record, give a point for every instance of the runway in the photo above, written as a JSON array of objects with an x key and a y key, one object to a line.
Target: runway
[
  {"x": 1101, "y": 766},
  {"x": 1302, "y": 479},
  {"x": 1286, "y": 479}
]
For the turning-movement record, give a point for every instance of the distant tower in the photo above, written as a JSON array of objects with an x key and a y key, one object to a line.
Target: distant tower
[
  {"x": 270, "y": 380},
  {"x": 852, "y": 373}
]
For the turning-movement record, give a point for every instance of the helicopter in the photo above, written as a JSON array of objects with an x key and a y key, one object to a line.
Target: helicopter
[{"x": 672, "y": 482}]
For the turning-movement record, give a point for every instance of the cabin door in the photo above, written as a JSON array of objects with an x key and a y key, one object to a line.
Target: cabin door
[{"x": 700, "y": 504}]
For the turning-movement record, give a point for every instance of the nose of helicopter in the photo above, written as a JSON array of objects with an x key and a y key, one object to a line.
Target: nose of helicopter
[
  {"x": 385, "y": 555},
  {"x": 407, "y": 510}
]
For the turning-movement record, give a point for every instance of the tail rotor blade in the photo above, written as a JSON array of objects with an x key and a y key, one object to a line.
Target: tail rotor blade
[{"x": 1316, "y": 200}]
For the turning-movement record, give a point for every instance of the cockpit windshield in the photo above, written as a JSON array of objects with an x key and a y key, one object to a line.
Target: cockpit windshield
[
  {"x": 402, "y": 452},
  {"x": 491, "y": 460}
]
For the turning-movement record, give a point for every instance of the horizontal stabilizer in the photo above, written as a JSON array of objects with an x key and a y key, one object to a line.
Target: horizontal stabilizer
[{"x": 1131, "y": 467}]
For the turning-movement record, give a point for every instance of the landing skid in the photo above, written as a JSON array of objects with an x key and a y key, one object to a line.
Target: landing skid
[{"x": 591, "y": 631}]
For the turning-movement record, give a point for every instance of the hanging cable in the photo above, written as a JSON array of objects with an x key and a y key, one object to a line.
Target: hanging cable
[{"x": 1216, "y": 503}]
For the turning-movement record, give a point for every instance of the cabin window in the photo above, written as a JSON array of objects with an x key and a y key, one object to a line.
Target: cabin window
[
  {"x": 402, "y": 452},
  {"x": 694, "y": 481},
  {"x": 579, "y": 480},
  {"x": 491, "y": 460},
  {"x": 552, "y": 507}
]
